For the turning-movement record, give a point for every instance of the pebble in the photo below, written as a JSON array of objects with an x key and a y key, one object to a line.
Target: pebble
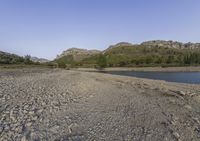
[
  {"x": 72, "y": 127},
  {"x": 34, "y": 118},
  {"x": 197, "y": 120},
  {"x": 55, "y": 129},
  {"x": 7, "y": 128},
  {"x": 182, "y": 93},
  {"x": 34, "y": 136},
  {"x": 28, "y": 124},
  {"x": 40, "y": 111},
  {"x": 188, "y": 107},
  {"x": 176, "y": 135},
  {"x": 1, "y": 129},
  {"x": 31, "y": 112},
  {"x": 18, "y": 129},
  {"x": 24, "y": 138}
]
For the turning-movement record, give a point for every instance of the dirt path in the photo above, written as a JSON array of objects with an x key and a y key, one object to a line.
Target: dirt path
[{"x": 78, "y": 106}]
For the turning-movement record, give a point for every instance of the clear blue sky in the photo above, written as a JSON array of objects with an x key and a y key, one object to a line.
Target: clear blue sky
[{"x": 44, "y": 28}]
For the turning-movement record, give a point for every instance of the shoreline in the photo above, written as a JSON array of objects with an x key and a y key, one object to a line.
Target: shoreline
[
  {"x": 150, "y": 69},
  {"x": 145, "y": 69}
]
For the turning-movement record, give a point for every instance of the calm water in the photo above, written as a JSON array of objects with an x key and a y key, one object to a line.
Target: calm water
[{"x": 181, "y": 77}]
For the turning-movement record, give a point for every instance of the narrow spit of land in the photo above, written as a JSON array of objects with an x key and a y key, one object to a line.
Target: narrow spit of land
[{"x": 53, "y": 104}]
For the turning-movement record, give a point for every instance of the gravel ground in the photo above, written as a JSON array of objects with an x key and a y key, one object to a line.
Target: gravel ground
[{"x": 64, "y": 105}]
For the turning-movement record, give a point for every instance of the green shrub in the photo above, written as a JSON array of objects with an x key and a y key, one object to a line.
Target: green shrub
[
  {"x": 61, "y": 65},
  {"x": 102, "y": 61}
]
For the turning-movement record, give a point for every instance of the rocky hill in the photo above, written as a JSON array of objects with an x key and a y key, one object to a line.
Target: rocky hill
[
  {"x": 77, "y": 54},
  {"x": 78, "y": 51},
  {"x": 120, "y": 44},
  {"x": 7, "y": 58},
  {"x": 171, "y": 44},
  {"x": 154, "y": 43},
  {"x": 157, "y": 52}
]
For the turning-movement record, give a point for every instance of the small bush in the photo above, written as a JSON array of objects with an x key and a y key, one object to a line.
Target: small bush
[
  {"x": 102, "y": 61},
  {"x": 61, "y": 65}
]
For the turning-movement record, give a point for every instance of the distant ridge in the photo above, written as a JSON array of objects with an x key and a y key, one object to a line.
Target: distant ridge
[
  {"x": 155, "y": 52},
  {"x": 171, "y": 44},
  {"x": 118, "y": 45},
  {"x": 78, "y": 53},
  {"x": 151, "y": 43},
  {"x": 40, "y": 60}
]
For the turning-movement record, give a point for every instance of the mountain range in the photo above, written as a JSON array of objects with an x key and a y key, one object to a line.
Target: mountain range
[
  {"x": 154, "y": 43},
  {"x": 154, "y": 52}
]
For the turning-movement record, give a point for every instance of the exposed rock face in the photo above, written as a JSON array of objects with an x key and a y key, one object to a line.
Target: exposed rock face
[
  {"x": 7, "y": 54},
  {"x": 1, "y": 52},
  {"x": 41, "y": 60},
  {"x": 75, "y": 52},
  {"x": 118, "y": 45},
  {"x": 79, "y": 54},
  {"x": 171, "y": 44},
  {"x": 86, "y": 53},
  {"x": 122, "y": 44}
]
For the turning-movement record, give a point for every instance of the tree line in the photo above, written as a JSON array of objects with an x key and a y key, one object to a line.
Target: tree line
[
  {"x": 14, "y": 59},
  {"x": 142, "y": 56}
]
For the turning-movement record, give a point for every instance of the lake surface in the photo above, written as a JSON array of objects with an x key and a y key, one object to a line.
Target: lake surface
[{"x": 181, "y": 77}]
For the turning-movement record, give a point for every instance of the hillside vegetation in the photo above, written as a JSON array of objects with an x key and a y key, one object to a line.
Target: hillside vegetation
[
  {"x": 13, "y": 60},
  {"x": 150, "y": 53},
  {"x": 7, "y": 58},
  {"x": 145, "y": 54}
]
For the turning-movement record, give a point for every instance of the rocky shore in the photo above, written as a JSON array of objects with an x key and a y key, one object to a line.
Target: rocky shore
[
  {"x": 155, "y": 69},
  {"x": 68, "y": 105}
]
